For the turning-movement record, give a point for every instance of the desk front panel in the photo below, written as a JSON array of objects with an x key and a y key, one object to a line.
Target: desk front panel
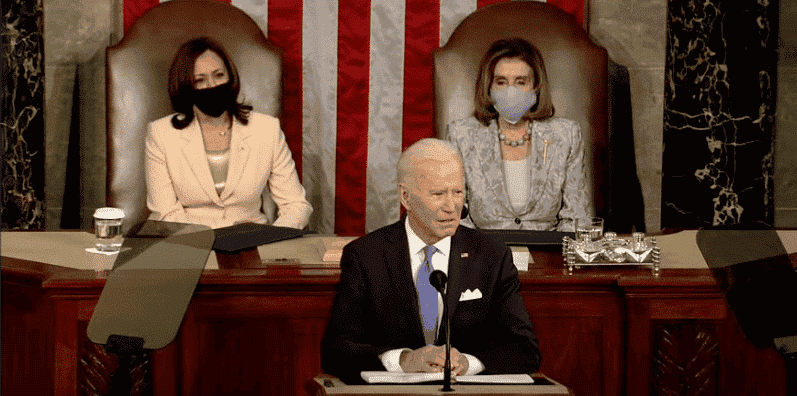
[
  {"x": 684, "y": 340},
  {"x": 258, "y": 331}
]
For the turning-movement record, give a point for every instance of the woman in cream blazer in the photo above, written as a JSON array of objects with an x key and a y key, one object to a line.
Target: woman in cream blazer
[
  {"x": 524, "y": 168},
  {"x": 215, "y": 162},
  {"x": 181, "y": 189}
]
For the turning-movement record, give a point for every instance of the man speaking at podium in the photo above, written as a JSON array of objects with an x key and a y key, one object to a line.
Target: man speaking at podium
[{"x": 387, "y": 316}]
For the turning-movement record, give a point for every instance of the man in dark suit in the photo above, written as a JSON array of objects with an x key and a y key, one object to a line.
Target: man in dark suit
[{"x": 384, "y": 316}]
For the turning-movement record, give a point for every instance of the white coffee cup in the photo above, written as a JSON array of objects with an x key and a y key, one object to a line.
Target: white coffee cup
[{"x": 108, "y": 229}]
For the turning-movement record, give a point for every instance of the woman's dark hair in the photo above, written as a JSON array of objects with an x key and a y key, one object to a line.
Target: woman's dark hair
[
  {"x": 516, "y": 48},
  {"x": 181, "y": 81}
]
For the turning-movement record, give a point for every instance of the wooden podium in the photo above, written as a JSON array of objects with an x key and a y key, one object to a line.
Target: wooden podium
[
  {"x": 255, "y": 323},
  {"x": 327, "y": 385}
]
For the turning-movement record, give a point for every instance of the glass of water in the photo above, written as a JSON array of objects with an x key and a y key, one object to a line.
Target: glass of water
[
  {"x": 108, "y": 229},
  {"x": 589, "y": 228}
]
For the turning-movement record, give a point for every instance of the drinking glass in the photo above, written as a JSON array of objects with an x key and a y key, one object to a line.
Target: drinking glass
[
  {"x": 108, "y": 229},
  {"x": 589, "y": 228}
]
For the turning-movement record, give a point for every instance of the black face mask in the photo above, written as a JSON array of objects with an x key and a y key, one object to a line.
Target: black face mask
[{"x": 214, "y": 101}]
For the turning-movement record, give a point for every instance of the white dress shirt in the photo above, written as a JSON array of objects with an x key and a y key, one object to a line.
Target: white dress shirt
[{"x": 391, "y": 358}]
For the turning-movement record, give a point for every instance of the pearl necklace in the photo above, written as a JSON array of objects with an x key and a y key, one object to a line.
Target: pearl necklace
[{"x": 515, "y": 143}]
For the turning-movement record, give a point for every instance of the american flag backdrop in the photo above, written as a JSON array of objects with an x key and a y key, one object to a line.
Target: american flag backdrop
[{"x": 357, "y": 89}]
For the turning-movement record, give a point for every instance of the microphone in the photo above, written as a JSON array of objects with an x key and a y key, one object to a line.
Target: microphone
[{"x": 438, "y": 280}]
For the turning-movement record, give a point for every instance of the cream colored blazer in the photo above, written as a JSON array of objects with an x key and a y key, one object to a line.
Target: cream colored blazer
[{"x": 180, "y": 187}]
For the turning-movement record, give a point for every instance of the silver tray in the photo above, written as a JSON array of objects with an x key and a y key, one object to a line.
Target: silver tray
[{"x": 612, "y": 251}]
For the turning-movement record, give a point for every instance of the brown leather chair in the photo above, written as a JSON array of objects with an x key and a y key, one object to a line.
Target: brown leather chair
[
  {"x": 137, "y": 70},
  {"x": 576, "y": 67}
]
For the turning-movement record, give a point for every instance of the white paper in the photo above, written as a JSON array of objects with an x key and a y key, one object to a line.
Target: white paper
[
  {"x": 391, "y": 377},
  {"x": 520, "y": 256},
  {"x": 94, "y": 250},
  {"x": 495, "y": 379}
]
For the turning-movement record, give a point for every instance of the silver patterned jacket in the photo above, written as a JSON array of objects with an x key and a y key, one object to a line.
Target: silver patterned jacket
[{"x": 558, "y": 183}]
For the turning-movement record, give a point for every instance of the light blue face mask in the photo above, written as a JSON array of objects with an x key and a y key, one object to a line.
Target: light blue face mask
[{"x": 512, "y": 102}]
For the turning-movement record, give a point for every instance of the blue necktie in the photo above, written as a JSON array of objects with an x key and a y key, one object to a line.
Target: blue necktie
[{"x": 427, "y": 297}]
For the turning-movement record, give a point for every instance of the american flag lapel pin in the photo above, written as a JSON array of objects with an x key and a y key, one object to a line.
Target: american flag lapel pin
[{"x": 463, "y": 255}]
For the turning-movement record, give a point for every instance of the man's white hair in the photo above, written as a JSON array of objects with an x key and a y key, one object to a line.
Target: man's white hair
[{"x": 428, "y": 149}]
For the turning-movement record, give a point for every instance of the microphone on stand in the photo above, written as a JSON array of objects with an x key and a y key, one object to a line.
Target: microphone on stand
[{"x": 438, "y": 280}]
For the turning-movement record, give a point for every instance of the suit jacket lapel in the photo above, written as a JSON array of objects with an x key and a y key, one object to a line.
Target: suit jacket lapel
[
  {"x": 456, "y": 264},
  {"x": 492, "y": 163},
  {"x": 194, "y": 152},
  {"x": 239, "y": 155},
  {"x": 400, "y": 271}
]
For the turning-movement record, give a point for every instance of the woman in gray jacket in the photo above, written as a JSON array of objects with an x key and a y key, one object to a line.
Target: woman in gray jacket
[{"x": 524, "y": 167}]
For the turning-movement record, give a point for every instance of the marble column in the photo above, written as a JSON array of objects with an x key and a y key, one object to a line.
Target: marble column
[
  {"x": 719, "y": 108},
  {"x": 22, "y": 116},
  {"x": 77, "y": 33}
]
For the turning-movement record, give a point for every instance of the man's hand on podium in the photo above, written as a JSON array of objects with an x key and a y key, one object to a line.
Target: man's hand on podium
[
  {"x": 459, "y": 363},
  {"x": 432, "y": 359}
]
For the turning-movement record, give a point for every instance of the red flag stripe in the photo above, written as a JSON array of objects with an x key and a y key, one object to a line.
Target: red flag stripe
[
  {"x": 354, "y": 21},
  {"x": 484, "y": 3},
  {"x": 573, "y": 7},
  {"x": 134, "y": 9},
  {"x": 285, "y": 31},
  {"x": 422, "y": 31}
]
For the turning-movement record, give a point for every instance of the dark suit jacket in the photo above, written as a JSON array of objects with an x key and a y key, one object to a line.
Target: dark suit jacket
[{"x": 376, "y": 307}]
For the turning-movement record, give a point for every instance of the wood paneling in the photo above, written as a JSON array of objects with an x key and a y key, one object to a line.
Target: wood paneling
[
  {"x": 741, "y": 369},
  {"x": 257, "y": 331},
  {"x": 581, "y": 338},
  {"x": 27, "y": 336}
]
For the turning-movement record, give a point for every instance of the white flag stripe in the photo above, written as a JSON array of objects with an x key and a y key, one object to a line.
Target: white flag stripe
[
  {"x": 257, "y": 9},
  {"x": 385, "y": 103},
  {"x": 385, "y": 107},
  {"x": 319, "y": 109},
  {"x": 452, "y": 12}
]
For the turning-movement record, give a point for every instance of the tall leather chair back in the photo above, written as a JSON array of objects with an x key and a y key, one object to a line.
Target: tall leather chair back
[
  {"x": 576, "y": 68},
  {"x": 137, "y": 70}
]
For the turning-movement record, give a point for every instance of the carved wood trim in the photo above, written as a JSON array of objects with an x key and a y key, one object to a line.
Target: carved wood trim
[
  {"x": 102, "y": 373},
  {"x": 685, "y": 359}
]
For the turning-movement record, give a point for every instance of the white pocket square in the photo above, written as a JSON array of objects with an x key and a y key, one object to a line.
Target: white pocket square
[{"x": 470, "y": 295}]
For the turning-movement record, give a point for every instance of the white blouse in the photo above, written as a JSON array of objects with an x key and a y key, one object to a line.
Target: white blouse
[{"x": 518, "y": 182}]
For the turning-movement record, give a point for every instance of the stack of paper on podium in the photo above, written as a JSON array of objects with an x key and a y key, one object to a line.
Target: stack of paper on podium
[
  {"x": 326, "y": 385},
  {"x": 332, "y": 247},
  {"x": 390, "y": 377},
  {"x": 521, "y": 256}
]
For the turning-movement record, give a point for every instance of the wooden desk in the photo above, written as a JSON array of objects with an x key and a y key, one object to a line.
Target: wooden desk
[
  {"x": 256, "y": 330},
  {"x": 325, "y": 385}
]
